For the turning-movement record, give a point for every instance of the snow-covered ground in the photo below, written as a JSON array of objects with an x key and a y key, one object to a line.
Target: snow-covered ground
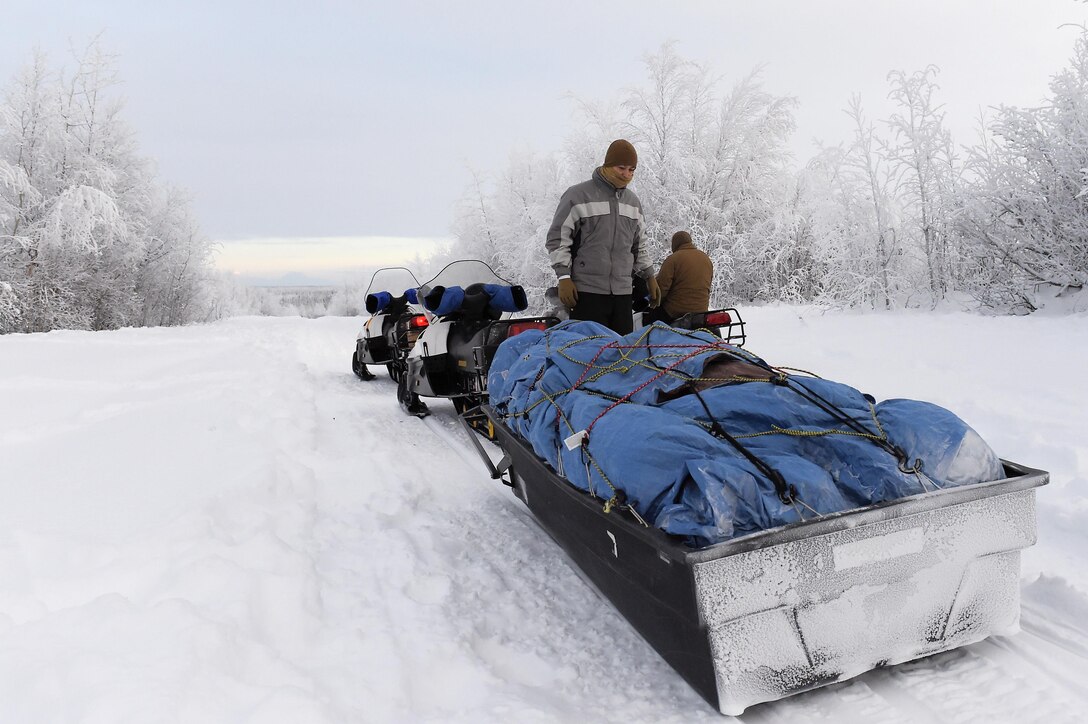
[{"x": 222, "y": 524}]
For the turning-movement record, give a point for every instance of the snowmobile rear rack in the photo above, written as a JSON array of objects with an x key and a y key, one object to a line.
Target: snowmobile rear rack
[{"x": 786, "y": 610}]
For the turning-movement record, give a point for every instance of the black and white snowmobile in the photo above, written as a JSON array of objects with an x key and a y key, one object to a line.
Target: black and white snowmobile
[
  {"x": 396, "y": 319},
  {"x": 469, "y": 309}
]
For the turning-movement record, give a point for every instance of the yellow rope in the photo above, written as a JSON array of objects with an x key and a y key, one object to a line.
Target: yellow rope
[{"x": 776, "y": 430}]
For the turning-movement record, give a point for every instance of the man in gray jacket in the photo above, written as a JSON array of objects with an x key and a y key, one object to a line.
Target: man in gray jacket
[{"x": 597, "y": 243}]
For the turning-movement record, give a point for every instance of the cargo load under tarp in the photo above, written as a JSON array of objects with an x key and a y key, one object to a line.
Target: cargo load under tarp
[{"x": 707, "y": 441}]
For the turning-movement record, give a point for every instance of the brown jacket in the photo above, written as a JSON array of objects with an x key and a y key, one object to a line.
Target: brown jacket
[{"x": 685, "y": 280}]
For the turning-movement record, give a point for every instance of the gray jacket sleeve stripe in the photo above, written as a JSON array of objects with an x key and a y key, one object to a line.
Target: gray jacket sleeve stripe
[{"x": 559, "y": 249}]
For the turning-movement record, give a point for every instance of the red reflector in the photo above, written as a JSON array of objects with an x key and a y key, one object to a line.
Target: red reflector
[
  {"x": 519, "y": 327},
  {"x": 420, "y": 321},
  {"x": 718, "y": 318}
]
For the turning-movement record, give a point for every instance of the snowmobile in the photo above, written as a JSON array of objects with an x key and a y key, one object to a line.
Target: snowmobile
[
  {"x": 395, "y": 322},
  {"x": 469, "y": 310}
]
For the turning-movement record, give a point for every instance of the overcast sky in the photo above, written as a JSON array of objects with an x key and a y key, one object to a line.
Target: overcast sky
[{"x": 340, "y": 129}]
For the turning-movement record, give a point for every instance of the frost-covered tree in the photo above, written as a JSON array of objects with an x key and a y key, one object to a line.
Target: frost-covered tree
[
  {"x": 9, "y": 308},
  {"x": 1028, "y": 216},
  {"x": 876, "y": 246},
  {"x": 718, "y": 166},
  {"x": 854, "y": 214},
  {"x": 504, "y": 222},
  {"x": 28, "y": 124},
  {"x": 88, "y": 237},
  {"x": 922, "y": 152},
  {"x": 173, "y": 267}
]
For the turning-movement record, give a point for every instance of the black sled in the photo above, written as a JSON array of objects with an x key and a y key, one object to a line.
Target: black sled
[{"x": 786, "y": 610}]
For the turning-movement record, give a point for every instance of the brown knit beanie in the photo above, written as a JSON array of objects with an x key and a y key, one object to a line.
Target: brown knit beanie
[
  {"x": 621, "y": 153},
  {"x": 679, "y": 239}
]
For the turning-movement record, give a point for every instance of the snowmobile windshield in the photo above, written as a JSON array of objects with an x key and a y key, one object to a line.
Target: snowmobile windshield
[
  {"x": 394, "y": 279},
  {"x": 462, "y": 273}
]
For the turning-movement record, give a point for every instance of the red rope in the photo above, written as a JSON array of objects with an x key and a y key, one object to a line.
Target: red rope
[
  {"x": 585, "y": 370},
  {"x": 659, "y": 375}
]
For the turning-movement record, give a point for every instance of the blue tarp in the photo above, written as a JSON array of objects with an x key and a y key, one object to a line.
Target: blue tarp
[{"x": 609, "y": 413}]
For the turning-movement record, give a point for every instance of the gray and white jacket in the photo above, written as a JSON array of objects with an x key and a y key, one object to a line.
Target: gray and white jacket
[{"x": 598, "y": 238}]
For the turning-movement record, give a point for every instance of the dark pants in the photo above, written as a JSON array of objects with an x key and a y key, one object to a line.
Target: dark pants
[{"x": 611, "y": 310}]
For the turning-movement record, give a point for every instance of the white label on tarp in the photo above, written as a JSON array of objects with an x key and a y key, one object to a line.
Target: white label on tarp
[
  {"x": 574, "y": 440},
  {"x": 878, "y": 548}
]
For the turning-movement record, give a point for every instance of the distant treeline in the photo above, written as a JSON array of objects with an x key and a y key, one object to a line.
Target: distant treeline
[
  {"x": 304, "y": 301},
  {"x": 347, "y": 300}
]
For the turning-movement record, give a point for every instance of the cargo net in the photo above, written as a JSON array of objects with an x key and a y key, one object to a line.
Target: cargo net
[{"x": 660, "y": 365}]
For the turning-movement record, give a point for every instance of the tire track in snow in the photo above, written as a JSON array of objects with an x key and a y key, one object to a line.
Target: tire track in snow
[
  {"x": 1050, "y": 658},
  {"x": 1001, "y": 679},
  {"x": 989, "y": 681}
]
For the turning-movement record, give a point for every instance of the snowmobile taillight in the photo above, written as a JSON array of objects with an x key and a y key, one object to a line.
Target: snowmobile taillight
[
  {"x": 519, "y": 327},
  {"x": 718, "y": 319},
  {"x": 418, "y": 321}
]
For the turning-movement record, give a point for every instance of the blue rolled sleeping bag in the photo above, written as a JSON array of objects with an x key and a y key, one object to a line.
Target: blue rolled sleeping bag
[
  {"x": 444, "y": 300},
  {"x": 505, "y": 297},
  {"x": 378, "y": 301},
  {"x": 497, "y": 297},
  {"x": 650, "y": 437}
]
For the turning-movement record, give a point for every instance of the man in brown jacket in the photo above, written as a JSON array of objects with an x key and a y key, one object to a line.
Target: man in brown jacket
[{"x": 684, "y": 280}]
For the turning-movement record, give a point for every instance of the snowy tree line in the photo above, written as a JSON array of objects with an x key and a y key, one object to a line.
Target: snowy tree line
[
  {"x": 898, "y": 216},
  {"x": 89, "y": 238}
]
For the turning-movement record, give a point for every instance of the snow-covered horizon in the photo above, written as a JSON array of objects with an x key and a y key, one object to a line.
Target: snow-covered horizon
[{"x": 220, "y": 523}]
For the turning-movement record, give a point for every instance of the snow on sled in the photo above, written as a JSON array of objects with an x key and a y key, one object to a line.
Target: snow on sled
[{"x": 765, "y": 586}]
